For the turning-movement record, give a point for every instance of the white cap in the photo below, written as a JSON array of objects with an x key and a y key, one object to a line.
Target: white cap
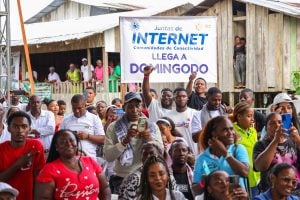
[
  {"x": 281, "y": 98},
  {"x": 4, "y": 187},
  {"x": 83, "y": 59}
]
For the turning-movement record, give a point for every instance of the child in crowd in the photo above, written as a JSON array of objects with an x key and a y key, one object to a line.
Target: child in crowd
[
  {"x": 62, "y": 107},
  {"x": 243, "y": 117}
]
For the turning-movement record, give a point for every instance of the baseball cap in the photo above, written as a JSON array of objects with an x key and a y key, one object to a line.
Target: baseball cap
[
  {"x": 281, "y": 97},
  {"x": 83, "y": 59},
  {"x": 131, "y": 96},
  {"x": 4, "y": 187}
]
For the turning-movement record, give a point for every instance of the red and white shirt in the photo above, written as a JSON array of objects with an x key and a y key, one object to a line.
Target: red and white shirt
[{"x": 71, "y": 185}]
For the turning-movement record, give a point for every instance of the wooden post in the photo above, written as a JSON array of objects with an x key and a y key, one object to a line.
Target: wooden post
[
  {"x": 26, "y": 49},
  {"x": 88, "y": 51},
  {"x": 105, "y": 66}
]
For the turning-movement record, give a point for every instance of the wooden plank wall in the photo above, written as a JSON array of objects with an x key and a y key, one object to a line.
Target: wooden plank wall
[
  {"x": 273, "y": 47},
  {"x": 250, "y": 42},
  {"x": 94, "y": 41},
  {"x": 223, "y": 10},
  {"x": 274, "y": 62},
  {"x": 68, "y": 10},
  {"x": 286, "y": 57},
  {"x": 298, "y": 44}
]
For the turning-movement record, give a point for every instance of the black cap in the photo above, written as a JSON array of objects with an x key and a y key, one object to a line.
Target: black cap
[{"x": 131, "y": 96}]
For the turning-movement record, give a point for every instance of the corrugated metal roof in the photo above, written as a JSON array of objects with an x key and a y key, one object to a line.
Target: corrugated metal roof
[
  {"x": 283, "y": 7},
  {"x": 120, "y": 4},
  {"x": 287, "y": 7},
  {"x": 52, "y": 6},
  {"x": 56, "y": 31}
]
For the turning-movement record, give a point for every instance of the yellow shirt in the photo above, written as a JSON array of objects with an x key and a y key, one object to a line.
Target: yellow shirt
[{"x": 74, "y": 76}]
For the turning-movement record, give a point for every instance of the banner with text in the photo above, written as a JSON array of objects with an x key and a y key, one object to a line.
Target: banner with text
[
  {"x": 42, "y": 90},
  {"x": 174, "y": 46}
]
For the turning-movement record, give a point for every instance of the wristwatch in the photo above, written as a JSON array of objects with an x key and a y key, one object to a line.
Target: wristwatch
[{"x": 228, "y": 155}]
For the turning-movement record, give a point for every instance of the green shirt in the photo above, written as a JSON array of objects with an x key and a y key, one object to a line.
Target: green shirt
[
  {"x": 116, "y": 73},
  {"x": 248, "y": 138}
]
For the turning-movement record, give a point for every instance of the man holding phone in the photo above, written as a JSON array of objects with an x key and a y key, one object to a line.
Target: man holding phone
[{"x": 123, "y": 141}]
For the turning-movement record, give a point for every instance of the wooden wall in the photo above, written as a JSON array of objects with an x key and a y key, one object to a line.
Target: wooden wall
[
  {"x": 93, "y": 41},
  {"x": 223, "y": 10},
  {"x": 273, "y": 47},
  {"x": 68, "y": 10}
]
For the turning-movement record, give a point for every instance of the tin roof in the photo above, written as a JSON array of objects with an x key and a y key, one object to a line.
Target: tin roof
[
  {"x": 288, "y": 7},
  {"x": 72, "y": 29}
]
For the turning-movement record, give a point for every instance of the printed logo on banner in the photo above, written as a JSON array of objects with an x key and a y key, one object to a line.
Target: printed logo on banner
[{"x": 175, "y": 47}]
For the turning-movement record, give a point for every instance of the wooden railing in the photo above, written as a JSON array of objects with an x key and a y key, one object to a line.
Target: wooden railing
[{"x": 72, "y": 88}]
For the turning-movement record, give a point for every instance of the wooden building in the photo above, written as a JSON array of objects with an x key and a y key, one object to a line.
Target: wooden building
[
  {"x": 67, "y": 31},
  {"x": 272, "y": 32}
]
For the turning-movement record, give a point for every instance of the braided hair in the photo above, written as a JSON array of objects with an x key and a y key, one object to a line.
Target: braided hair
[{"x": 145, "y": 191}]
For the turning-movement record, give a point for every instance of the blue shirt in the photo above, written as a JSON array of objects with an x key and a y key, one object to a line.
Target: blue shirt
[
  {"x": 207, "y": 162},
  {"x": 267, "y": 196}
]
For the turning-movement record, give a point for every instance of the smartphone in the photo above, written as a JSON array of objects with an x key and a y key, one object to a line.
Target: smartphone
[
  {"x": 142, "y": 124},
  {"x": 286, "y": 122},
  {"x": 234, "y": 181}
]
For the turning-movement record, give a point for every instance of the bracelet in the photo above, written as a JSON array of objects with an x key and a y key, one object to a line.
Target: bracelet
[{"x": 146, "y": 76}]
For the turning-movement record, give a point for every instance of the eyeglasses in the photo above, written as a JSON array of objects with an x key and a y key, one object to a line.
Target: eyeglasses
[{"x": 288, "y": 180}]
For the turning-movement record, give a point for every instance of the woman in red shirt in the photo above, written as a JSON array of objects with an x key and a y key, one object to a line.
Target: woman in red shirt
[{"x": 69, "y": 176}]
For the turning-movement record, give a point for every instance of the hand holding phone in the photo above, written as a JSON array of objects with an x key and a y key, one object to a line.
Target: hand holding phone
[
  {"x": 233, "y": 182},
  {"x": 286, "y": 122},
  {"x": 142, "y": 124}
]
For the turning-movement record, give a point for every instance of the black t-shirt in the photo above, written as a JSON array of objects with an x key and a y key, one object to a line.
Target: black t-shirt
[
  {"x": 196, "y": 102},
  {"x": 260, "y": 120},
  {"x": 183, "y": 185},
  {"x": 286, "y": 152}
]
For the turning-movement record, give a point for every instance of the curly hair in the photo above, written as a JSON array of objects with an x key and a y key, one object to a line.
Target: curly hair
[
  {"x": 145, "y": 191},
  {"x": 207, "y": 131}
]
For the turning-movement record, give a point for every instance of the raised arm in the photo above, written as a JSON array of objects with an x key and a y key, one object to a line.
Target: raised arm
[
  {"x": 263, "y": 161},
  {"x": 146, "y": 85},
  {"x": 189, "y": 87}
]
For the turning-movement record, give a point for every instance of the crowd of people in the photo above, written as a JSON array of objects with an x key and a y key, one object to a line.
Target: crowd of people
[
  {"x": 86, "y": 72},
  {"x": 185, "y": 144}
]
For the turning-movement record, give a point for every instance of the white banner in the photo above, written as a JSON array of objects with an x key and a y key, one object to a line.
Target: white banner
[{"x": 174, "y": 46}]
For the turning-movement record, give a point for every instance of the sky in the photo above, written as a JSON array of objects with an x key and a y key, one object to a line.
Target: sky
[{"x": 28, "y": 10}]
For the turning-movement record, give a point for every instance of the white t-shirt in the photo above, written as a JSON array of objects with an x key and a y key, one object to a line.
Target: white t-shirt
[
  {"x": 5, "y": 135},
  {"x": 156, "y": 111},
  {"x": 88, "y": 123},
  {"x": 196, "y": 121},
  {"x": 54, "y": 77},
  {"x": 85, "y": 72},
  {"x": 182, "y": 122}
]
